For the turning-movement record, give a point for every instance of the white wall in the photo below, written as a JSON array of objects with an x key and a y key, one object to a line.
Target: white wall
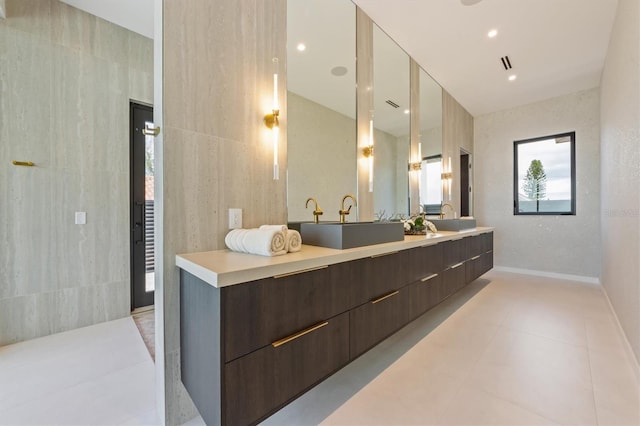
[
  {"x": 620, "y": 165},
  {"x": 558, "y": 244}
]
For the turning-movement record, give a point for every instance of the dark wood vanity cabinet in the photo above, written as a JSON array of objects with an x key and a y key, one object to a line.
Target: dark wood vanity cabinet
[
  {"x": 424, "y": 294},
  {"x": 249, "y": 349},
  {"x": 377, "y": 319},
  {"x": 256, "y": 384},
  {"x": 257, "y": 313}
]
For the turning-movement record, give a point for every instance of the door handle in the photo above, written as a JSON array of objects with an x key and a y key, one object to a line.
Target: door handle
[{"x": 150, "y": 131}]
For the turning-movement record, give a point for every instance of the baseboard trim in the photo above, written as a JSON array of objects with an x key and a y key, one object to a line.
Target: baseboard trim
[
  {"x": 627, "y": 345},
  {"x": 595, "y": 281}
]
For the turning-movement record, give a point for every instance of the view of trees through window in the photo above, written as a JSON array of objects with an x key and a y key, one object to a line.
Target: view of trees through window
[{"x": 544, "y": 175}]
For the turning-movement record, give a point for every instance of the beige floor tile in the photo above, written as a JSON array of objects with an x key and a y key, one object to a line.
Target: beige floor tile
[
  {"x": 603, "y": 333},
  {"x": 544, "y": 321},
  {"x": 472, "y": 407},
  {"x": 616, "y": 390},
  {"x": 542, "y": 375}
]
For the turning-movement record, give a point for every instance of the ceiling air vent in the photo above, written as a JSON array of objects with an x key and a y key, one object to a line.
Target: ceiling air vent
[
  {"x": 506, "y": 63},
  {"x": 393, "y": 104}
]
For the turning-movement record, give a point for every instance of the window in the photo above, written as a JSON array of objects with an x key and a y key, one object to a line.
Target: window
[
  {"x": 544, "y": 175},
  {"x": 431, "y": 184}
]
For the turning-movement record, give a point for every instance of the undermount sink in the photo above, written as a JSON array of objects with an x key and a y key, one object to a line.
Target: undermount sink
[
  {"x": 453, "y": 224},
  {"x": 351, "y": 234}
]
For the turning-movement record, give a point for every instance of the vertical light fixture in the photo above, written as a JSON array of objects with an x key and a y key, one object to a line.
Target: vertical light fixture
[
  {"x": 371, "y": 154},
  {"x": 272, "y": 122},
  {"x": 447, "y": 177},
  {"x": 367, "y": 151}
]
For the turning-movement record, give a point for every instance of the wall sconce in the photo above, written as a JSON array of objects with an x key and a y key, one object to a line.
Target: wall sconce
[
  {"x": 416, "y": 166},
  {"x": 272, "y": 121},
  {"x": 367, "y": 151},
  {"x": 447, "y": 177}
]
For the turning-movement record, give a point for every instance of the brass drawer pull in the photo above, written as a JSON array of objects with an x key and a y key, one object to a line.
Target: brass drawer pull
[
  {"x": 299, "y": 334},
  {"x": 23, "y": 163},
  {"x": 288, "y": 274},
  {"x": 383, "y": 254},
  {"x": 475, "y": 257},
  {"x": 429, "y": 277},
  {"x": 380, "y": 299},
  {"x": 457, "y": 264}
]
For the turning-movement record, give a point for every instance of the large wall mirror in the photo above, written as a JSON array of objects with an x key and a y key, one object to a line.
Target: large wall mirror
[
  {"x": 392, "y": 128},
  {"x": 430, "y": 144},
  {"x": 321, "y": 116},
  {"x": 321, "y": 105}
]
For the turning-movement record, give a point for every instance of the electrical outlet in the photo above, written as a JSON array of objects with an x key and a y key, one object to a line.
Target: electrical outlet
[
  {"x": 235, "y": 218},
  {"x": 81, "y": 218}
]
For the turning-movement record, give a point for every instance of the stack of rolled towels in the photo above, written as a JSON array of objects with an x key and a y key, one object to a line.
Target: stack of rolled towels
[{"x": 268, "y": 240}]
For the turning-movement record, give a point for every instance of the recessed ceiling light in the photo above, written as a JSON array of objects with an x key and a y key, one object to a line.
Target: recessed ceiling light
[
  {"x": 406, "y": 111},
  {"x": 512, "y": 77},
  {"x": 301, "y": 47},
  {"x": 492, "y": 33},
  {"x": 339, "y": 71}
]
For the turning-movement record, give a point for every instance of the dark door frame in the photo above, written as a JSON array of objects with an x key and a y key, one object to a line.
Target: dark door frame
[{"x": 139, "y": 113}]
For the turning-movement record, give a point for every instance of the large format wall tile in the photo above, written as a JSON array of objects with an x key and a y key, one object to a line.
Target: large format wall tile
[
  {"x": 66, "y": 108},
  {"x": 217, "y": 87}
]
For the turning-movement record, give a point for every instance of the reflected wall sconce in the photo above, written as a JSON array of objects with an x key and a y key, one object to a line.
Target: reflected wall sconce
[
  {"x": 416, "y": 166},
  {"x": 272, "y": 121},
  {"x": 367, "y": 151},
  {"x": 447, "y": 178}
]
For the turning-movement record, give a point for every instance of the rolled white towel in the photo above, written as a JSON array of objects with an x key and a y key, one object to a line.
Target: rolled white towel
[
  {"x": 282, "y": 228},
  {"x": 265, "y": 242},
  {"x": 294, "y": 241},
  {"x": 233, "y": 239}
]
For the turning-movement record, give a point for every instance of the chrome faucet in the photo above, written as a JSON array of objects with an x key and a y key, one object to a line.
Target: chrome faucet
[
  {"x": 317, "y": 211},
  {"x": 344, "y": 212},
  {"x": 442, "y": 209}
]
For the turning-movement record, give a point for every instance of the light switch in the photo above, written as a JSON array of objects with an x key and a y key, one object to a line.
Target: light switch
[
  {"x": 81, "y": 218},
  {"x": 235, "y": 218}
]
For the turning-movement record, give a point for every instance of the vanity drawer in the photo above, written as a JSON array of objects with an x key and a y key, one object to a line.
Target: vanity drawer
[
  {"x": 260, "y": 383},
  {"x": 424, "y": 261},
  {"x": 259, "y": 312},
  {"x": 455, "y": 251},
  {"x": 378, "y": 275},
  {"x": 487, "y": 242},
  {"x": 476, "y": 246},
  {"x": 425, "y": 294},
  {"x": 377, "y": 319},
  {"x": 453, "y": 279}
]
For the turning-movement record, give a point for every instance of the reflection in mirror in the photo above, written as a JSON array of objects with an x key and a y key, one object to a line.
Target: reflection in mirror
[
  {"x": 391, "y": 121},
  {"x": 430, "y": 144},
  {"x": 321, "y": 105}
]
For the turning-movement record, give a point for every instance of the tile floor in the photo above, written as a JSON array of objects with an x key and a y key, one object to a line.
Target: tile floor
[
  {"x": 98, "y": 375},
  {"x": 507, "y": 350}
]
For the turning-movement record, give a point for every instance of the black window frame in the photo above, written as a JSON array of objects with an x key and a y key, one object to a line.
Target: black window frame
[{"x": 516, "y": 144}]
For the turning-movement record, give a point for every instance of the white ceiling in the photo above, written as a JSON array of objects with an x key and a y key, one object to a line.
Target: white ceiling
[
  {"x": 555, "y": 46},
  {"x": 134, "y": 15}
]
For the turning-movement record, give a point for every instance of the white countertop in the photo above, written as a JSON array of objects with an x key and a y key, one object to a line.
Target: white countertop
[{"x": 221, "y": 268}]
